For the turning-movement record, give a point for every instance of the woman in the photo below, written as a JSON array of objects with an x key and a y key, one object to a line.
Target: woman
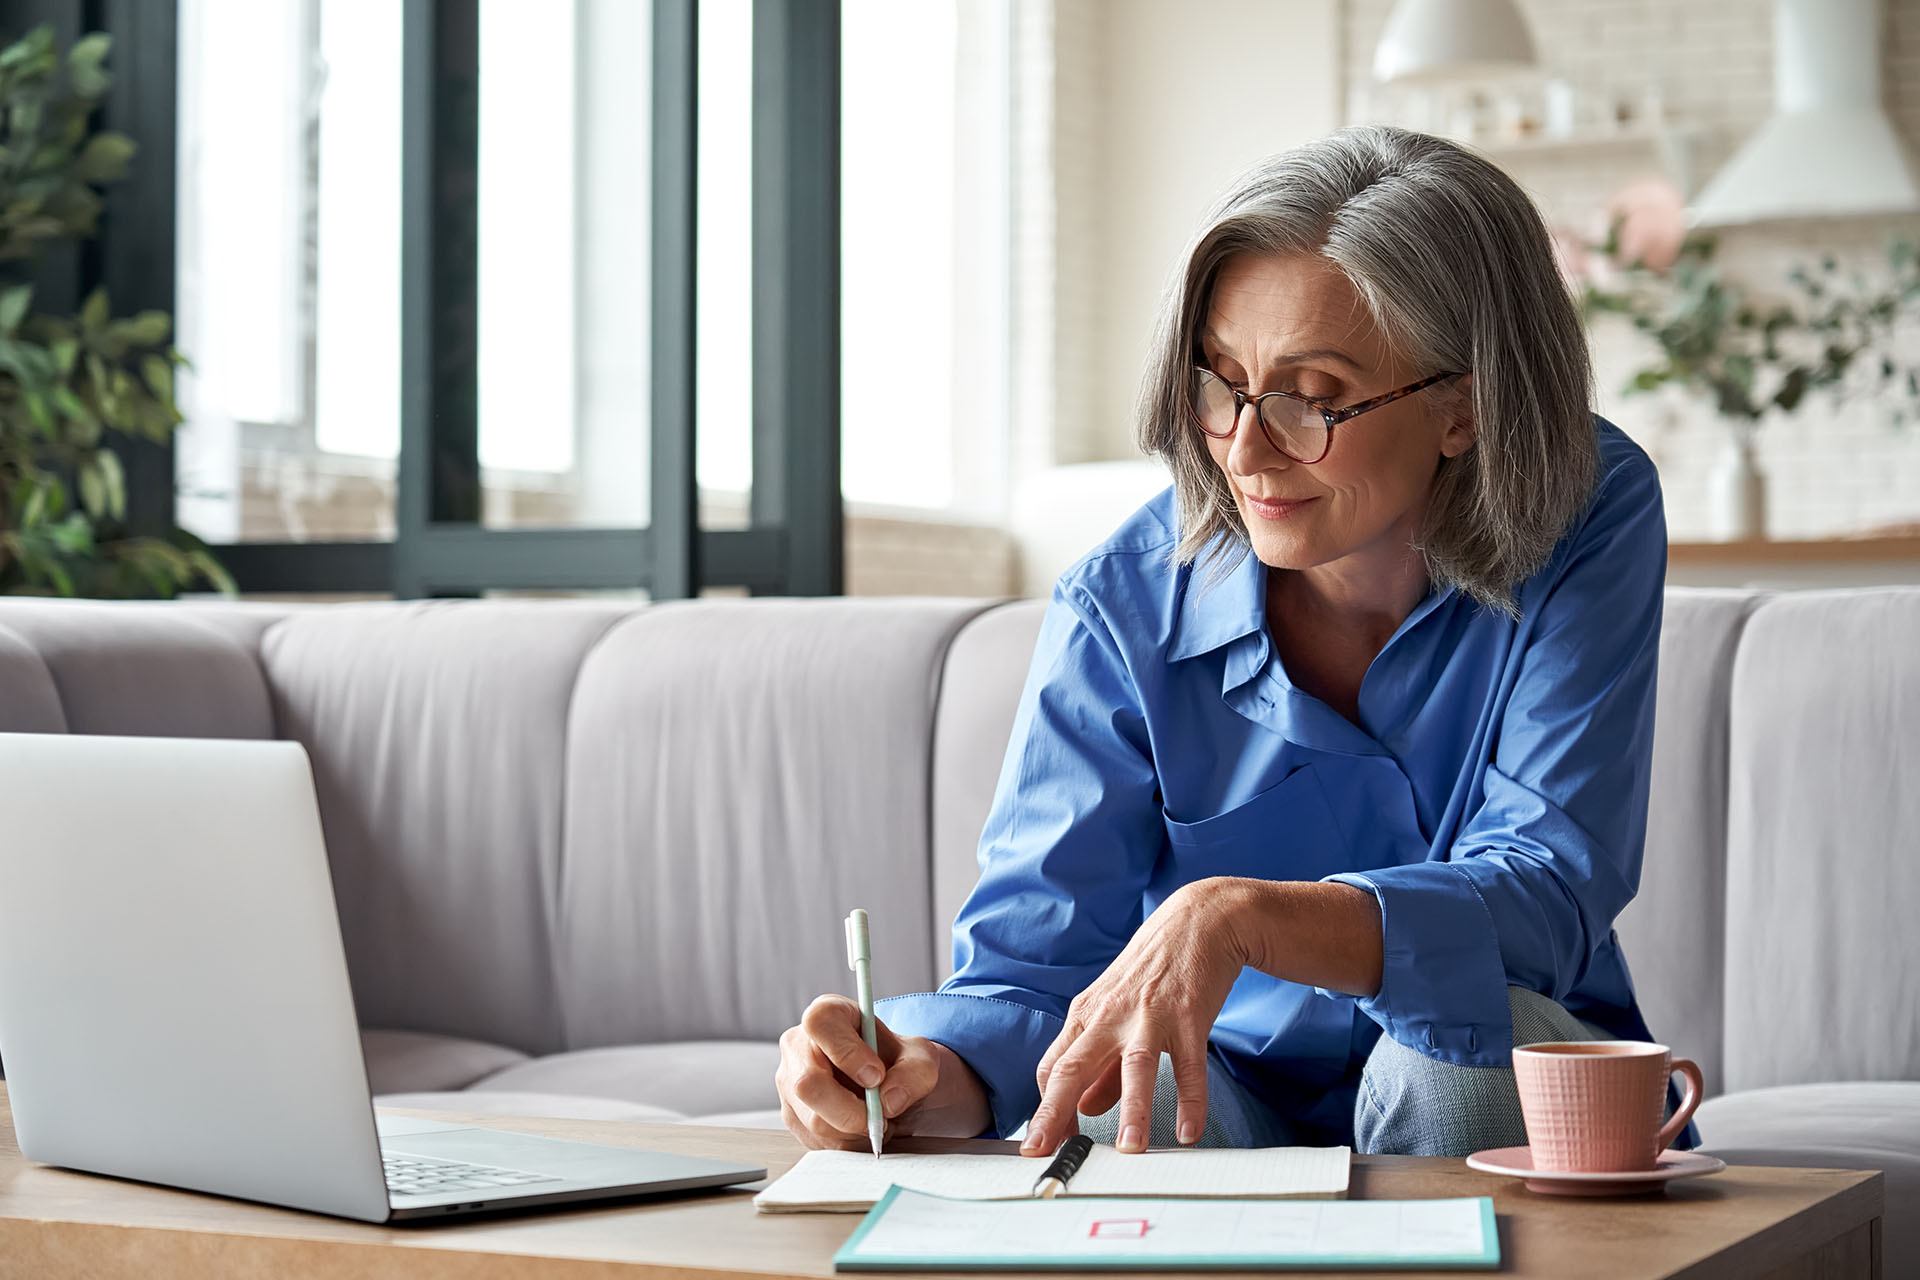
[{"x": 1330, "y": 773}]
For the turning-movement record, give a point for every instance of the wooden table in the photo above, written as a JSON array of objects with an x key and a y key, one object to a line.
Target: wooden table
[{"x": 1746, "y": 1222}]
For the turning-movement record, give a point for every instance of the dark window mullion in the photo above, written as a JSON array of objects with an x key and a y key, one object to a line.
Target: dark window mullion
[
  {"x": 473, "y": 559},
  {"x": 796, "y": 288},
  {"x": 135, "y": 249},
  {"x": 419, "y": 62},
  {"x": 674, "y": 521},
  {"x": 302, "y": 567},
  {"x": 439, "y": 464},
  {"x": 453, "y": 483}
]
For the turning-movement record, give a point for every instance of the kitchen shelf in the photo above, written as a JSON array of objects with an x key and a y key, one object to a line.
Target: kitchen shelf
[{"x": 1794, "y": 551}]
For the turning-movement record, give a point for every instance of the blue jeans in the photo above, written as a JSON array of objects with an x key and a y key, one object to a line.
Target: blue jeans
[{"x": 1409, "y": 1104}]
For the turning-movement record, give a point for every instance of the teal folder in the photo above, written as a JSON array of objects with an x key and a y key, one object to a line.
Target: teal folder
[{"x": 912, "y": 1231}]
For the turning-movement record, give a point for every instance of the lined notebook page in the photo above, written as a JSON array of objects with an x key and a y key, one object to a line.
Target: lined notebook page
[
  {"x": 850, "y": 1181},
  {"x": 855, "y": 1180},
  {"x": 1261, "y": 1173}
]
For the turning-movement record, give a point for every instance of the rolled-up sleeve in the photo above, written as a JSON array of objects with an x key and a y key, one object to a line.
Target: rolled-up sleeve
[
  {"x": 1069, "y": 846},
  {"x": 1530, "y": 887}
]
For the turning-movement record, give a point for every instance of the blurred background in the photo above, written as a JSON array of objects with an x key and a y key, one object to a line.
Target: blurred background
[{"x": 1015, "y": 179}]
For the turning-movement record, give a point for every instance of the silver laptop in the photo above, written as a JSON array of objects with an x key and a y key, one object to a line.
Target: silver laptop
[{"x": 174, "y": 1004}]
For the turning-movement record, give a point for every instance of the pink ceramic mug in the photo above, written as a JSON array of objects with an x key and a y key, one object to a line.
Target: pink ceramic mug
[{"x": 1595, "y": 1106}]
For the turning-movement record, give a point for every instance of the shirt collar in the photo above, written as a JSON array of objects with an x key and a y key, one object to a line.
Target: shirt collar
[{"x": 1208, "y": 617}]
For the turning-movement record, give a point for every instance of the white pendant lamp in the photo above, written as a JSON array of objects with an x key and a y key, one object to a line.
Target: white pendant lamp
[
  {"x": 1442, "y": 41},
  {"x": 1828, "y": 150}
]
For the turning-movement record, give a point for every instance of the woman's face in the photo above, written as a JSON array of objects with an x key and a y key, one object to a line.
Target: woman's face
[{"x": 1297, "y": 324}]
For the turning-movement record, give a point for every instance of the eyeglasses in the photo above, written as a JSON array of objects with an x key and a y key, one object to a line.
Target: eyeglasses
[{"x": 1296, "y": 426}]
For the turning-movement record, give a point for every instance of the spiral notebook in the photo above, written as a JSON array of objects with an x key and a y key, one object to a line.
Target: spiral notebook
[{"x": 852, "y": 1181}]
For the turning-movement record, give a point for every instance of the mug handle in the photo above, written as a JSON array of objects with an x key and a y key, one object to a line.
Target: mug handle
[{"x": 1689, "y": 1099}]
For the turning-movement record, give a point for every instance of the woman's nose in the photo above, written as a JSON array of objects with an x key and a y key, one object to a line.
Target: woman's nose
[{"x": 1250, "y": 449}]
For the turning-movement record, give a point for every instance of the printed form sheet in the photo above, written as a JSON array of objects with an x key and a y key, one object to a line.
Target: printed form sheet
[{"x": 915, "y": 1227}]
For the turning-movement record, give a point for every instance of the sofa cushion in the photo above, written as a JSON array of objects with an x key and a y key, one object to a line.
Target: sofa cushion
[
  {"x": 29, "y": 703},
  {"x": 738, "y": 777},
  {"x": 149, "y": 668},
  {"x": 556, "y": 1106},
  {"x": 1823, "y": 961},
  {"x": 438, "y": 737},
  {"x": 415, "y": 1061},
  {"x": 1860, "y": 1125},
  {"x": 1674, "y": 930},
  {"x": 979, "y": 694},
  {"x": 692, "y": 1078}
]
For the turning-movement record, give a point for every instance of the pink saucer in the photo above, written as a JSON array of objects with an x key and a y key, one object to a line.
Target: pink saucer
[{"x": 1518, "y": 1162}]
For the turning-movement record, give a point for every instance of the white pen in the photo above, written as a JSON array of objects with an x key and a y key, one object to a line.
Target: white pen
[{"x": 860, "y": 960}]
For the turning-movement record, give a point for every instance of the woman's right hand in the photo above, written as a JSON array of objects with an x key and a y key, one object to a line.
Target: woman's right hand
[{"x": 825, "y": 1067}]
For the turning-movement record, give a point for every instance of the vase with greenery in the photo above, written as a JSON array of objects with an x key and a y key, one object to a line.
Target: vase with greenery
[
  {"x": 1752, "y": 358},
  {"x": 72, "y": 387}
]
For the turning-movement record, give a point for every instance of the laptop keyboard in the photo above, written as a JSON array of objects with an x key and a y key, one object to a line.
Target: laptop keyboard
[{"x": 414, "y": 1176}]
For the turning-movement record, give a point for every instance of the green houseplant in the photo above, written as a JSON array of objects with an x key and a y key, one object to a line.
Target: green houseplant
[
  {"x": 71, "y": 387},
  {"x": 1749, "y": 357}
]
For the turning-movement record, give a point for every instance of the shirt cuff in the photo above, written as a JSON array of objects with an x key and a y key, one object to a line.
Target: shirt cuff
[
  {"x": 1000, "y": 1039},
  {"x": 1443, "y": 985}
]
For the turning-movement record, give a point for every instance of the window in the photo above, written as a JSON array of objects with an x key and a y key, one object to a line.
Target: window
[
  {"x": 925, "y": 214},
  {"x": 288, "y": 298},
  {"x": 418, "y": 268}
]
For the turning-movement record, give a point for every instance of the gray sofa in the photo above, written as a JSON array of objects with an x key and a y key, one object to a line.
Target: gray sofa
[{"x": 591, "y": 859}]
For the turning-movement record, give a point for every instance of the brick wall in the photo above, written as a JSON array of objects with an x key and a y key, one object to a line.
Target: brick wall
[
  {"x": 1710, "y": 63},
  {"x": 1079, "y": 431}
]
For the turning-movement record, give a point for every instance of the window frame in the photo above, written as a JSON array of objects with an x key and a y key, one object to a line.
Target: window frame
[{"x": 795, "y": 542}]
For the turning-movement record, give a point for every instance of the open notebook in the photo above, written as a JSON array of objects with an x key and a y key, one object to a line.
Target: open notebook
[{"x": 853, "y": 1181}]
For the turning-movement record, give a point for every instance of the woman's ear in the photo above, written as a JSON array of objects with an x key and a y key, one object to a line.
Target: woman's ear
[{"x": 1462, "y": 430}]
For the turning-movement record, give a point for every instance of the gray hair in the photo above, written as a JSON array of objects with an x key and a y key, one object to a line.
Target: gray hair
[{"x": 1456, "y": 268}]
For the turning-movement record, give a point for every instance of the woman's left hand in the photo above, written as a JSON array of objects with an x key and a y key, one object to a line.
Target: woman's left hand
[{"x": 1161, "y": 994}]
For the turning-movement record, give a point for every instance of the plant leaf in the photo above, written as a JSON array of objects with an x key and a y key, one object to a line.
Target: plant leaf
[
  {"x": 93, "y": 312},
  {"x": 13, "y": 307},
  {"x": 73, "y": 535},
  {"x": 214, "y": 572},
  {"x": 1790, "y": 392},
  {"x": 148, "y": 329},
  {"x": 114, "y": 476},
  {"x": 84, "y": 72},
  {"x": 104, "y": 159},
  {"x": 38, "y": 412},
  {"x": 90, "y": 49},
  {"x": 93, "y": 487}
]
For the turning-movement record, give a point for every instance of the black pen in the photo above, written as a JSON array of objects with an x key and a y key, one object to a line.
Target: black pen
[{"x": 1066, "y": 1162}]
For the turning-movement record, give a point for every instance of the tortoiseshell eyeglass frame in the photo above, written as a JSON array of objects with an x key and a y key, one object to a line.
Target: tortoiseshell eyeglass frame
[{"x": 1333, "y": 417}]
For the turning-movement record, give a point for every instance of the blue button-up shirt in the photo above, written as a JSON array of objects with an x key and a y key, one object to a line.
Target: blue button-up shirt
[{"x": 1493, "y": 797}]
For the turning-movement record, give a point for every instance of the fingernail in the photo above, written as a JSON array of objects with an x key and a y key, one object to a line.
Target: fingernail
[
  {"x": 869, "y": 1076},
  {"x": 1189, "y": 1132},
  {"x": 892, "y": 1099},
  {"x": 1130, "y": 1138},
  {"x": 1036, "y": 1138}
]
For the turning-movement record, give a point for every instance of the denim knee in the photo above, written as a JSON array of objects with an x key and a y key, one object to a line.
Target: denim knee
[{"x": 1410, "y": 1104}]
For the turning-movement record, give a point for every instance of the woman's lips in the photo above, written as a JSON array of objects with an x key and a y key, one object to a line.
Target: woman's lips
[{"x": 1274, "y": 510}]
